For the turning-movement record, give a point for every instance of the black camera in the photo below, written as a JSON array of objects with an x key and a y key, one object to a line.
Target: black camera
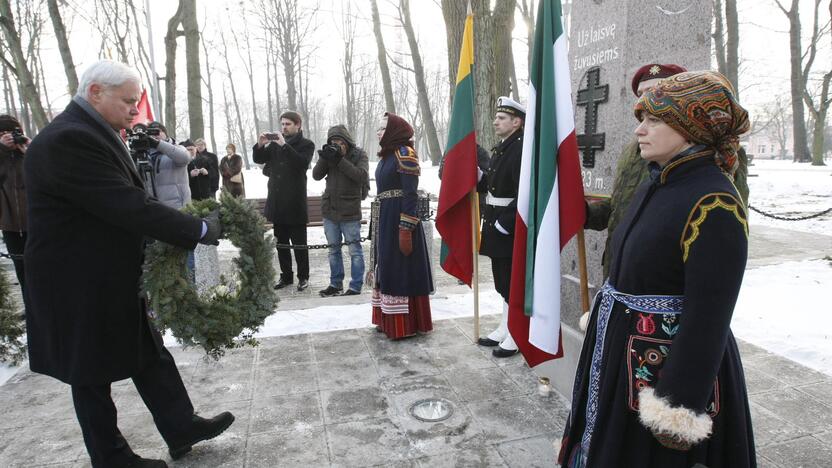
[
  {"x": 329, "y": 151},
  {"x": 18, "y": 137},
  {"x": 139, "y": 139}
]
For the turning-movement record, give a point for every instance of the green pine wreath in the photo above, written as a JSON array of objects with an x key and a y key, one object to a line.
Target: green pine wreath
[
  {"x": 12, "y": 326},
  {"x": 232, "y": 312}
]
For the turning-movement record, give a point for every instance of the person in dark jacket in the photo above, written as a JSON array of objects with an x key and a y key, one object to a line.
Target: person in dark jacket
[
  {"x": 659, "y": 382},
  {"x": 231, "y": 169},
  {"x": 288, "y": 155},
  {"x": 87, "y": 321},
  {"x": 400, "y": 267},
  {"x": 199, "y": 179},
  {"x": 498, "y": 186},
  {"x": 213, "y": 166},
  {"x": 13, "y": 193},
  {"x": 346, "y": 169}
]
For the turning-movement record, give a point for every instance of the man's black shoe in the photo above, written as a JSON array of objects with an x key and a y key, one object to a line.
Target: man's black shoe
[
  {"x": 351, "y": 292},
  {"x": 303, "y": 284},
  {"x": 330, "y": 291},
  {"x": 487, "y": 342},
  {"x": 282, "y": 284},
  {"x": 201, "y": 429},
  {"x": 501, "y": 353},
  {"x": 138, "y": 462}
]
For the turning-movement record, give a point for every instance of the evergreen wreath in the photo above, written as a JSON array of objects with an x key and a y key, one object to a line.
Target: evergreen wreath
[
  {"x": 227, "y": 316},
  {"x": 12, "y": 326}
]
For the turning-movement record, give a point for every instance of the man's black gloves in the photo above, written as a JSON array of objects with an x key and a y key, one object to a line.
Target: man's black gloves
[{"x": 212, "y": 235}]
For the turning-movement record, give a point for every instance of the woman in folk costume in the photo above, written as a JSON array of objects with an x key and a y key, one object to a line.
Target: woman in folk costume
[
  {"x": 660, "y": 382},
  {"x": 400, "y": 271}
]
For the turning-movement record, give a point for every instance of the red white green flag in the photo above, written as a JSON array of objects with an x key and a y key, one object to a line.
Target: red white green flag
[
  {"x": 550, "y": 200},
  {"x": 459, "y": 175}
]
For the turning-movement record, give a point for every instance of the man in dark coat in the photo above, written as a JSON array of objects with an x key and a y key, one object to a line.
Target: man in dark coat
[
  {"x": 346, "y": 170},
  {"x": 213, "y": 165},
  {"x": 199, "y": 178},
  {"x": 87, "y": 322},
  {"x": 288, "y": 155},
  {"x": 498, "y": 185}
]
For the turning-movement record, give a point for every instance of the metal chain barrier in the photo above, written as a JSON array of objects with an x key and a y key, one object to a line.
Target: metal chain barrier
[
  {"x": 783, "y": 218},
  {"x": 319, "y": 246},
  {"x": 11, "y": 256}
]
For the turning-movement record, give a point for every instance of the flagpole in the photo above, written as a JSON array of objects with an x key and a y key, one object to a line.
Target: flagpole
[
  {"x": 475, "y": 280},
  {"x": 584, "y": 280}
]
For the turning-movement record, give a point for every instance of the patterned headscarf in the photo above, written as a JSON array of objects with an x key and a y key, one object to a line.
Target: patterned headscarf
[
  {"x": 700, "y": 105},
  {"x": 397, "y": 133}
]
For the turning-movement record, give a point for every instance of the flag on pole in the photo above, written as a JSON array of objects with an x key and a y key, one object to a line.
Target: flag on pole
[
  {"x": 459, "y": 174},
  {"x": 550, "y": 204},
  {"x": 145, "y": 113}
]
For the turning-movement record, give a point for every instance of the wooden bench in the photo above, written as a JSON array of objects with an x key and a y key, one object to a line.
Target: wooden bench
[{"x": 313, "y": 208}]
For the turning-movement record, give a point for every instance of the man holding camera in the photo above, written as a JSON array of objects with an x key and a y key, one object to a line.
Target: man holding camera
[
  {"x": 87, "y": 322},
  {"x": 170, "y": 172},
  {"x": 212, "y": 164},
  {"x": 288, "y": 155},
  {"x": 13, "y": 193},
  {"x": 346, "y": 169}
]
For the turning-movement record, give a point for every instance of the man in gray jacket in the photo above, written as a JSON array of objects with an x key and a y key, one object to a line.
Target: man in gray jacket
[
  {"x": 170, "y": 170},
  {"x": 346, "y": 170}
]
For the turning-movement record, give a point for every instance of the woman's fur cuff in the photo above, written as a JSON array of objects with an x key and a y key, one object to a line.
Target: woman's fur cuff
[{"x": 675, "y": 427}]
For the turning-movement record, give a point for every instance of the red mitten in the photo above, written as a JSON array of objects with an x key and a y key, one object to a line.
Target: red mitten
[{"x": 406, "y": 242}]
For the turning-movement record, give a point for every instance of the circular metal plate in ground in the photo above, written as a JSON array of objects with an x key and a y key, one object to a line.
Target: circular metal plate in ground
[{"x": 432, "y": 410}]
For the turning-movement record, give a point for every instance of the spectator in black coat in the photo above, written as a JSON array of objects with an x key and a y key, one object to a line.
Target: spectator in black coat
[
  {"x": 213, "y": 166},
  {"x": 288, "y": 155}
]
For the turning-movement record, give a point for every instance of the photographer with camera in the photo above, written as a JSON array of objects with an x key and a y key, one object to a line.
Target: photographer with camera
[
  {"x": 288, "y": 155},
  {"x": 346, "y": 169},
  {"x": 170, "y": 168},
  {"x": 13, "y": 145}
]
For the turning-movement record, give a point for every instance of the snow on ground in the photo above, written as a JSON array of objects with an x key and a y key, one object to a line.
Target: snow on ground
[{"x": 781, "y": 308}]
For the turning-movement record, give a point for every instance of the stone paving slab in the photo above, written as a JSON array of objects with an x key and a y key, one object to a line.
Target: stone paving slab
[{"x": 342, "y": 399}]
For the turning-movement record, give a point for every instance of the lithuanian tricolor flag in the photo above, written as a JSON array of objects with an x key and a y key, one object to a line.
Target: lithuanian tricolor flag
[
  {"x": 459, "y": 176},
  {"x": 550, "y": 199}
]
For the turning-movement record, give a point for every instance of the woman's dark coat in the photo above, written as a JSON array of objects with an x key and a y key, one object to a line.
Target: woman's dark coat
[{"x": 88, "y": 219}]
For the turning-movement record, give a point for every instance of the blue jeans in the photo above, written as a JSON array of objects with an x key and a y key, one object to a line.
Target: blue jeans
[{"x": 348, "y": 231}]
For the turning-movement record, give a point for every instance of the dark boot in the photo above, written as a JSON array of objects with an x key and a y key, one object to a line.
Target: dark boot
[
  {"x": 139, "y": 462},
  {"x": 201, "y": 429}
]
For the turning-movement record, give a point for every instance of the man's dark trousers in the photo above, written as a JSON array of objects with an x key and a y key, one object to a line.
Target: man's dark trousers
[
  {"x": 297, "y": 234},
  {"x": 161, "y": 388}
]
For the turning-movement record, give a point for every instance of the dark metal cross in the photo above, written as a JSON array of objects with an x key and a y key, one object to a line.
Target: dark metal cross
[{"x": 589, "y": 142}]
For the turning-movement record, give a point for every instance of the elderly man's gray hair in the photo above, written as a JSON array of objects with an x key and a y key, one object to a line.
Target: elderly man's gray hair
[{"x": 107, "y": 73}]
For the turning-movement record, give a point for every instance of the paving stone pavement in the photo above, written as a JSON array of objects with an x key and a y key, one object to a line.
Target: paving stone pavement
[{"x": 342, "y": 399}]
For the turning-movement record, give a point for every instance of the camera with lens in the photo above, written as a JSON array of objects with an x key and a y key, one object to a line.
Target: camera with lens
[
  {"x": 18, "y": 137},
  {"x": 329, "y": 151},
  {"x": 140, "y": 139}
]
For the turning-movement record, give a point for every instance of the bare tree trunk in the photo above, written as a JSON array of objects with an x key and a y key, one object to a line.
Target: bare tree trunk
[
  {"x": 269, "y": 82},
  {"x": 249, "y": 67},
  {"x": 209, "y": 85},
  {"x": 276, "y": 92},
  {"x": 44, "y": 90},
  {"x": 63, "y": 46},
  {"x": 28, "y": 89},
  {"x": 229, "y": 125},
  {"x": 527, "y": 11},
  {"x": 732, "y": 45},
  {"x": 191, "y": 28},
  {"x": 719, "y": 37},
  {"x": 434, "y": 150},
  {"x": 798, "y": 80},
  {"x": 348, "y": 37},
  {"x": 170, "y": 70},
  {"x": 234, "y": 98},
  {"x": 382, "y": 59},
  {"x": 8, "y": 92},
  {"x": 454, "y": 13}
]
